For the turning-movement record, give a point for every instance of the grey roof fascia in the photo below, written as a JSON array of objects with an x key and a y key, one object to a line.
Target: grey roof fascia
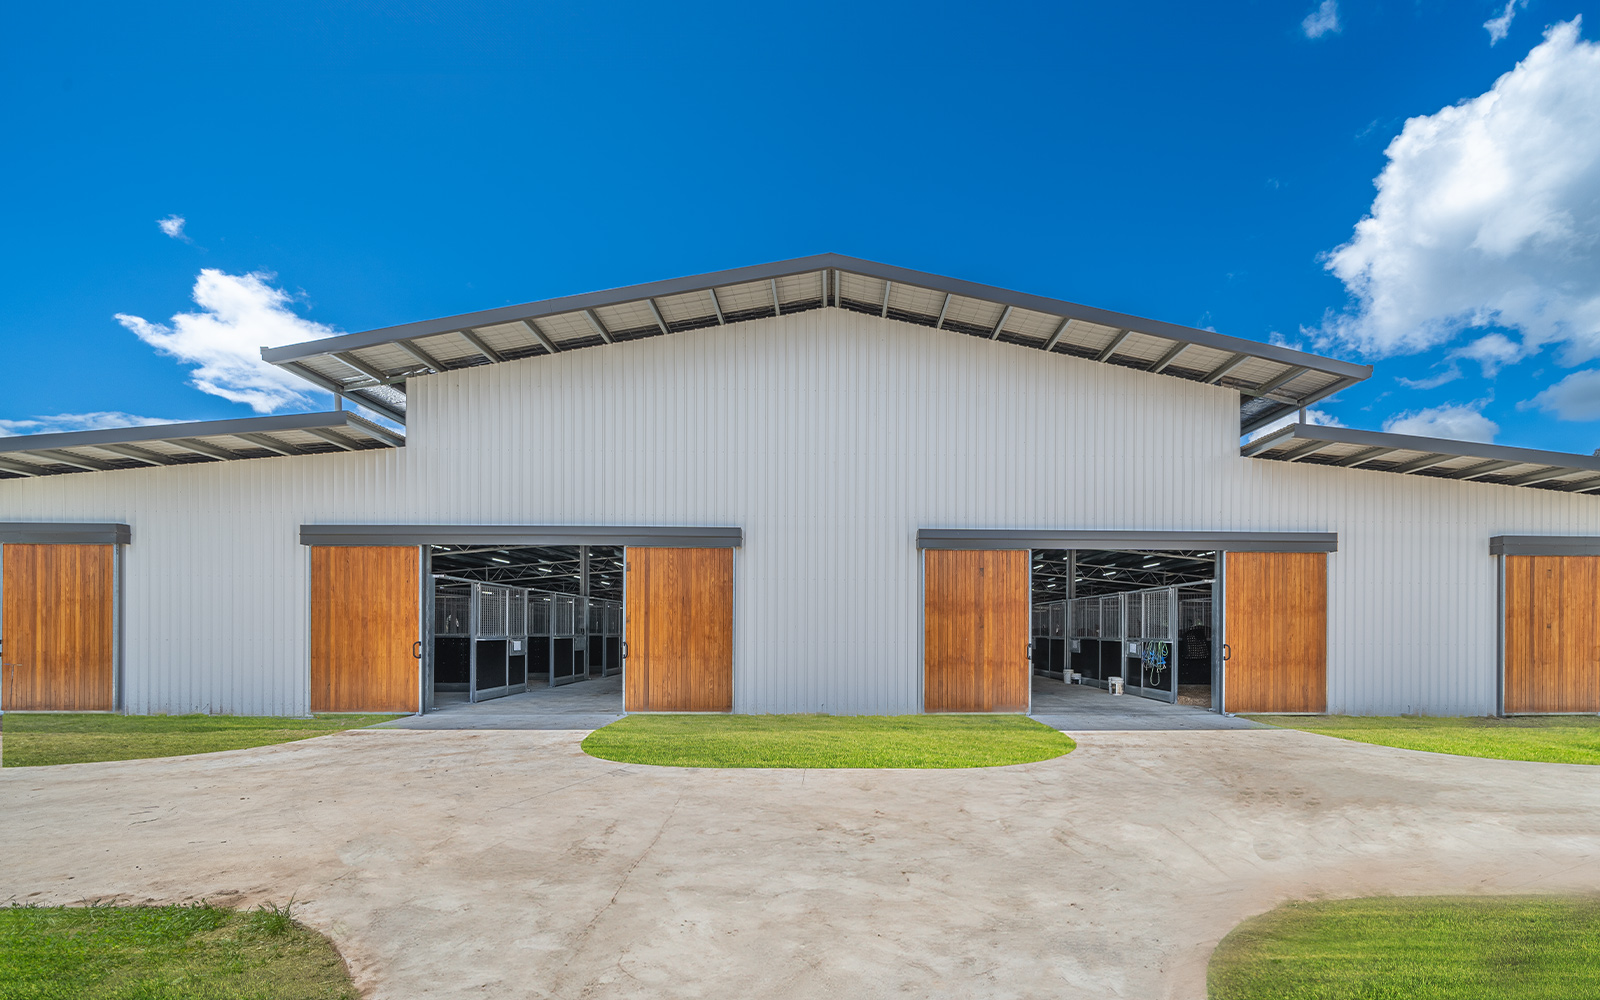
[
  {"x": 671, "y": 536},
  {"x": 1544, "y": 545},
  {"x": 1429, "y": 445},
  {"x": 198, "y": 429},
  {"x": 805, "y": 265},
  {"x": 1048, "y": 538},
  {"x": 64, "y": 533}
]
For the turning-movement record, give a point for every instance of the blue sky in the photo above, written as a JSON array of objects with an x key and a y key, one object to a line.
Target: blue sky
[{"x": 1190, "y": 163}]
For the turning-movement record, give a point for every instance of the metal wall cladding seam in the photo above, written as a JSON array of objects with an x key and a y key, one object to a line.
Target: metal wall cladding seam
[{"x": 830, "y": 437}]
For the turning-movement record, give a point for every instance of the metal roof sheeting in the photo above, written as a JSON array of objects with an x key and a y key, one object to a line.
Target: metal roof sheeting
[
  {"x": 1436, "y": 458},
  {"x": 198, "y": 442},
  {"x": 372, "y": 367}
]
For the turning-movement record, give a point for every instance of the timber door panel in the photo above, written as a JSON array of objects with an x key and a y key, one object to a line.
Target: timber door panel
[
  {"x": 1552, "y": 637},
  {"x": 1276, "y": 630},
  {"x": 57, "y": 628},
  {"x": 363, "y": 626},
  {"x": 975, "y": 631},
  {"x": 679, "y": 629}
]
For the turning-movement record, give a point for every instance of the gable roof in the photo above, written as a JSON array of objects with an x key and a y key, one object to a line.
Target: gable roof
[
  {"x": 372, "y": 367},
  {"x": 1437, "y": 458},
  {"x": 184, "y": 444}
]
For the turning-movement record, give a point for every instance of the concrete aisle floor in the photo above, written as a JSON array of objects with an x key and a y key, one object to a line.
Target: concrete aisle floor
[
  {"x": 508, "y": 863},
  {"x": 1085, "y": 708},
  {"x": 586, "y": 704}
]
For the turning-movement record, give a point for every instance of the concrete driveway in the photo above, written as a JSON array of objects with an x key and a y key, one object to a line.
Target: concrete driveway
[{"x": 508, "y": 863}]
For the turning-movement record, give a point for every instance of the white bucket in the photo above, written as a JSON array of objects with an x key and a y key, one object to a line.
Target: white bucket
[
  {"x": 1116, "y": 684},
  {"x": 1074, "y": 678}
]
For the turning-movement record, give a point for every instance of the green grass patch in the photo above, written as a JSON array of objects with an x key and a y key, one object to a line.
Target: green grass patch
[
  {"x": 827, "y": 740},
  {"x": 165, "y": 953},
  {"x": 1561, "y": 739},
  {"x": 1417, "y": 948},
  {"x": 33, "y": 740}
]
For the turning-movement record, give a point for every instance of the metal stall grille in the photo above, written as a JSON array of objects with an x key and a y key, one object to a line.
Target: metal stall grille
[
  {"x": 1051, "y": 652},
  {"x": 492, "y": 614},
  {"x": 1194, "y": 639},
  {"x": 452, "y": 614},
  {"x": 566, "y": 663},
  {"x": 491, "y": 646},
  {"x": 1152, "y": 640}
]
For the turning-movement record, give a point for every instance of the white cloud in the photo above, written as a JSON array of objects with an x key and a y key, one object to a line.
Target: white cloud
[
  {"x": 1432, "y": 381},
  {"x": 172, "y": 225},
  {"x": 1497, "y": 27},
  {"x": 239, "y": 314},
  {"x": 1319, "y": 418},
  {"x": 1487, "y": 214},
  {"x": 1576, "y": 397},
  {"x": 1493, "y": 351},
  {"x": 78, "y": 422},
  {"x": 1458, "y": 422},
  {"x": 1322, "y": 20}
]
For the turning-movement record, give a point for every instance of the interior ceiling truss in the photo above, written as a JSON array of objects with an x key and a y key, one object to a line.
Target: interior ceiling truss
[{"x": 553, "y": 568}]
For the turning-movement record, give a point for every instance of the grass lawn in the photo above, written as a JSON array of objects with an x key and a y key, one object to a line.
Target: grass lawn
[
  {"x": 159, "y": 952},
  {"x": 1562, "y": 739},
  {"x": 1418, "y": 948},
  {"x": 31, "y": 740},
  {"x": 827, "y": 740}
]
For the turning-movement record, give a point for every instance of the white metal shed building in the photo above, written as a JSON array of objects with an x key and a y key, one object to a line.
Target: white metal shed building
[{"x": 821, "y": 485}]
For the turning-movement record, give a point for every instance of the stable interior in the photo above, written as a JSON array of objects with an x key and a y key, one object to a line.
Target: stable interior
[
  {"x": 510, "y": 619},
  {"x": 1143, "y": 617}
]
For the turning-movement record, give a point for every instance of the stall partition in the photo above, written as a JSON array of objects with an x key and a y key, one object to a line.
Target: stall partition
[{"x": 1153, "y": 639}]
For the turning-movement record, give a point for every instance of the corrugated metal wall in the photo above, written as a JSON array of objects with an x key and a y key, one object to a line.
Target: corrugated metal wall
[{"x": 830, "y": 438}]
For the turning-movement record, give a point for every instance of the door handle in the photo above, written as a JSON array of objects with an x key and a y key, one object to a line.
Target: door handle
[
  {"x": 416, "y": 650},
  {"x": 624, "y": 650},
  {"x": 1227, "y": 652}
]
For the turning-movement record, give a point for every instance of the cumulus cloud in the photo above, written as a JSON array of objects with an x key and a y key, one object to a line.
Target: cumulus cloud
[
  {"x": 172, "y": 225},
  {"x": 239, "y": 314},
  {"x": 1493, "y": 351},
  {"x": 78, "y": 422},
  {"x": 1320, "y": 418},
  {"x": 1323, "y": 20},
  {"x": 1576, "y": 397},
  {"x": 1497, "y": 27},
  {"x": 1458, "y": 422},
  {"x": 1487, "y": 215}
]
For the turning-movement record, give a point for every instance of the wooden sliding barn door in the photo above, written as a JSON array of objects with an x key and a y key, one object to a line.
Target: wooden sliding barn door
[
  {"x": 56, "y": 625},
  {"x": 365, "y": 631},
  {"x": 678, "y": 627},
  {"x": 976, "y": 631},
  {"x": 1552, "y": 634},
  {"x": 1276, "y": 632}
]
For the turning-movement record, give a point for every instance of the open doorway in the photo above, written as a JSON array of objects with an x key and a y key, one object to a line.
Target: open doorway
[
  {"x": 540, "y": 621},
  {"x": 1138, "y": 619}
]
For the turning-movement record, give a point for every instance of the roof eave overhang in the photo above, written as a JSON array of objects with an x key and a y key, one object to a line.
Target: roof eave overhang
[
  {"x": 1541, "y": 469},
  {"x": 366, "y": 380}
]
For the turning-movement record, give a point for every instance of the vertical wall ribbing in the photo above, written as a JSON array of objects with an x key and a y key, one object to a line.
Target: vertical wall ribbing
[{"x": 830, "y": 438}]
